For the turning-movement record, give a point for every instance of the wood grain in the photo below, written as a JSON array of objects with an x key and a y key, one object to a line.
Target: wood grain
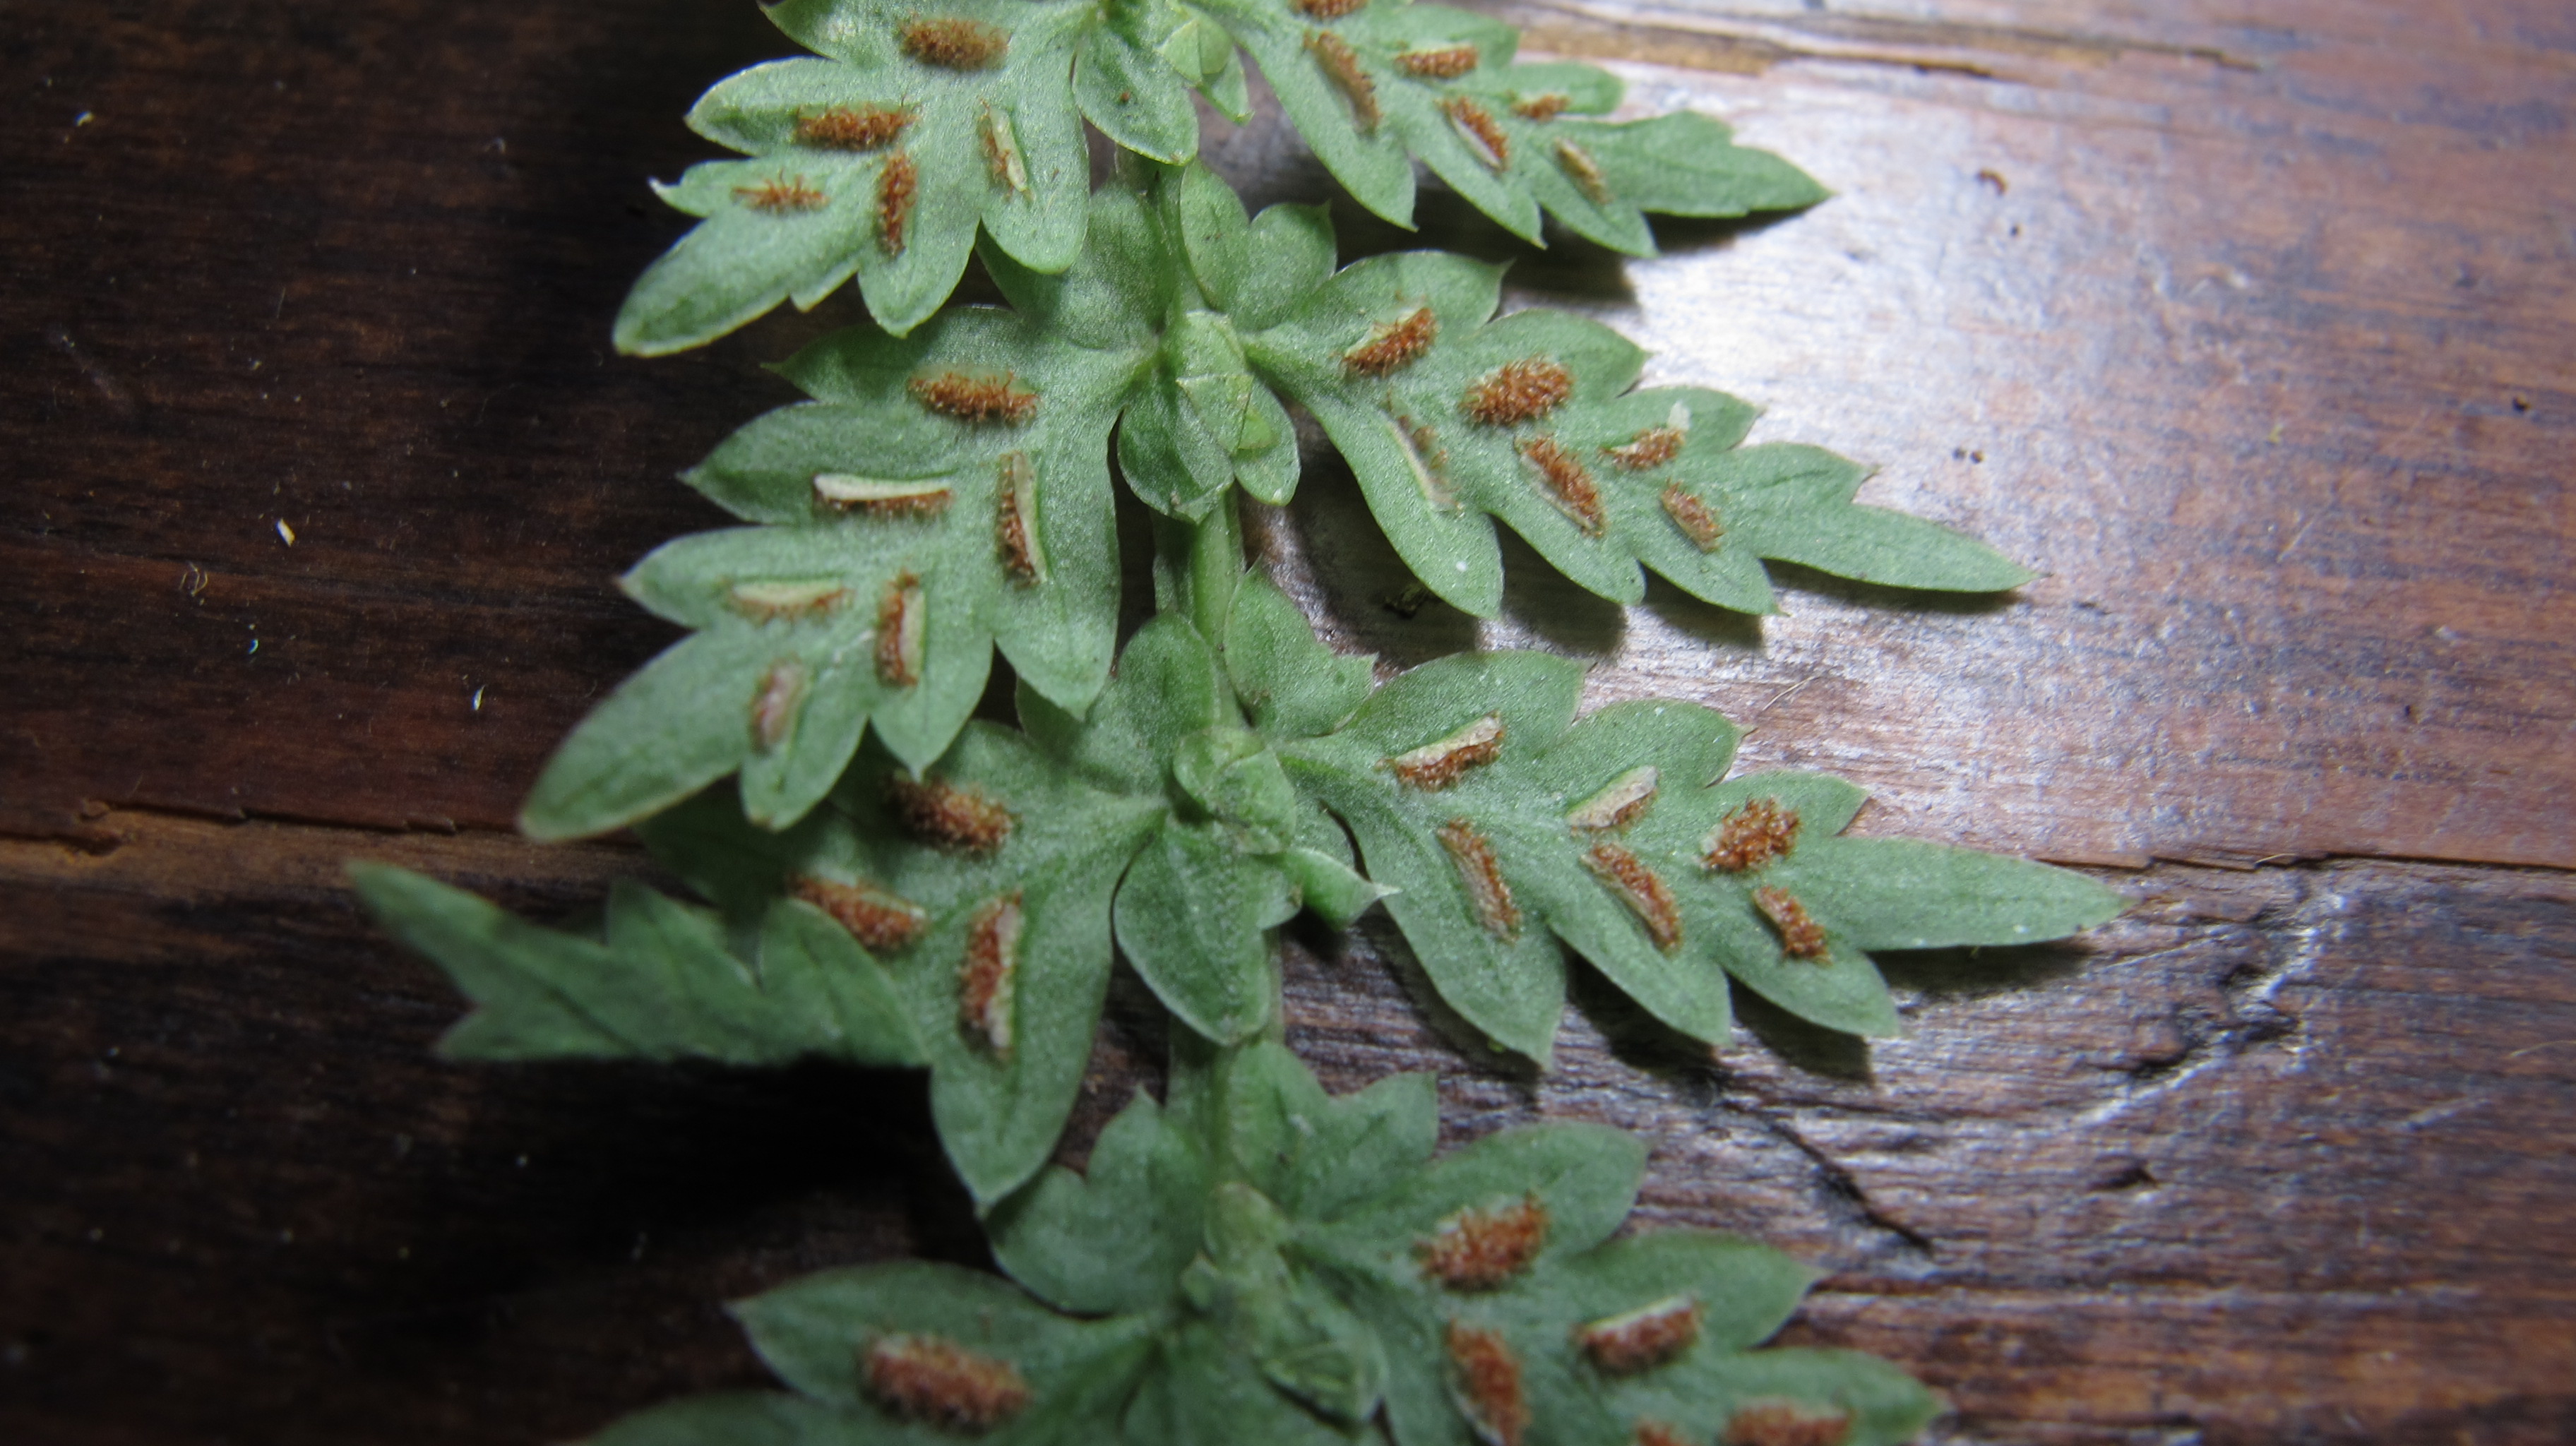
[{"x": 2246, "y": 325}]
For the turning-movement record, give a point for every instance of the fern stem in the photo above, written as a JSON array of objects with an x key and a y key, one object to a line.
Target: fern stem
[{"x": 1197, "y": 566}]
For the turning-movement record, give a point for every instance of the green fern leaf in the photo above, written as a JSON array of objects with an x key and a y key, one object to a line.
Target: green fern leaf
[
  {"x": 1450, "y": 417},
  {"x": 662, "y": 984},
  {"x": 913, "y": 126},
  {"x": 1157, "y": 817},
  {"x": 881, "y": 156},
  {"x": 1262, "y": 1262},
  {"x": 903, "y": 542},
  {"x": 988, "y": 885},
  {"x": 1505, "y": 828},
  {"x": 1191, "y": 323},
  {"x": 1377, "y": 85}
]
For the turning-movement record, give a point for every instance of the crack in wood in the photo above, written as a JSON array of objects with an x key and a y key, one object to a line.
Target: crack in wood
[
  {"x": 94, "y": 834},
  {"x": 2289, "y": 936},
  {"x": 1837, "y": 1189},
  {"x": 176, "y": 855}
]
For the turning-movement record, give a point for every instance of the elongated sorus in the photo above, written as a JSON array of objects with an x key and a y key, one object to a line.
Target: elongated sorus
[
  {"x": 1481, "y": 1248},
  {"x": 933, "y": 1379}
]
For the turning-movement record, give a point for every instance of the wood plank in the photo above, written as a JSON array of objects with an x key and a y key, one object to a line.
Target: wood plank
[
  {"x": 2277, "y": 1156},
  {"x": 246, "y": 1201},
  {"x": 2351, "y": 640},
  {"x": 2253, "y": 339},
  {"x": 352, "y": 271}
]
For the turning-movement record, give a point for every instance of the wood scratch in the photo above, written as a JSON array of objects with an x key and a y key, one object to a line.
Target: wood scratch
[
  {"x": 1764, "y": 711},
  {"x": 2435, "y": 1114},
  {"x": 1751, "y": 44}
]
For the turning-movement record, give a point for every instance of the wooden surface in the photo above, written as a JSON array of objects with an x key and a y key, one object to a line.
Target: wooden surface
[{"x": 2248, "y": 324}]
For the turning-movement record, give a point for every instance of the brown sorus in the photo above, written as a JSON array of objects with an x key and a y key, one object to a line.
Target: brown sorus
[
  {"x": 1546, "y": 106},
  {"x": 1623, "y": 1345},
  {"x": 1015, "y": 513},
  {"x": 845, "y": 492},
  {"x": 881, "y": 920},
  {"x": 976, "y": 399},
  {"x": 898, "y": 185},
  {"x": 774, "y": 707},
  {"x": 1330, "y": 9},
  {"x": 1697, "y": 520},
  {"x": 1342, "y": 67},
  {"x": 1652, "y": 447},
  {"x": 1488, "y": 892},
  {"x": 947, "y": 814},
  {"x": 1787, "y": 1423},
  {"x": 1659, "y": 1433},
  {"x": 1444, "y": 64},
  {"x": 1440, "y": 763},
  {"x": 1518, "y": 391},
  {"x": 1480, "y": 1249},
  {"x": 1622, "y": 802},
  {"x": 1483, "y": 133},
  {"x": 1488, "y": 1382},
  {"x": 853, "y": 128},
  {"x": 955, "y": 43},
  {"x": 988, "y": 975},
  {"x": 1584, "y": 171},
  {"x": 1801, "y": 937},
  {"x": 933, "y": 1379},
  {"x": 1568, "y": 483},
  {"x": 1394, "y": 344},
  {"x": 1752, "y": 837},
  {"x": 1641, "y": 889},
  {"x": 769, "y": 601},
  {"x": 900, "y": 623},
  {"x": 781, "y": 194}
]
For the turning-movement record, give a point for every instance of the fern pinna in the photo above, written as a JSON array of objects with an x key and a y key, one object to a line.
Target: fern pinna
[{"x": 880, "y": 881}]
